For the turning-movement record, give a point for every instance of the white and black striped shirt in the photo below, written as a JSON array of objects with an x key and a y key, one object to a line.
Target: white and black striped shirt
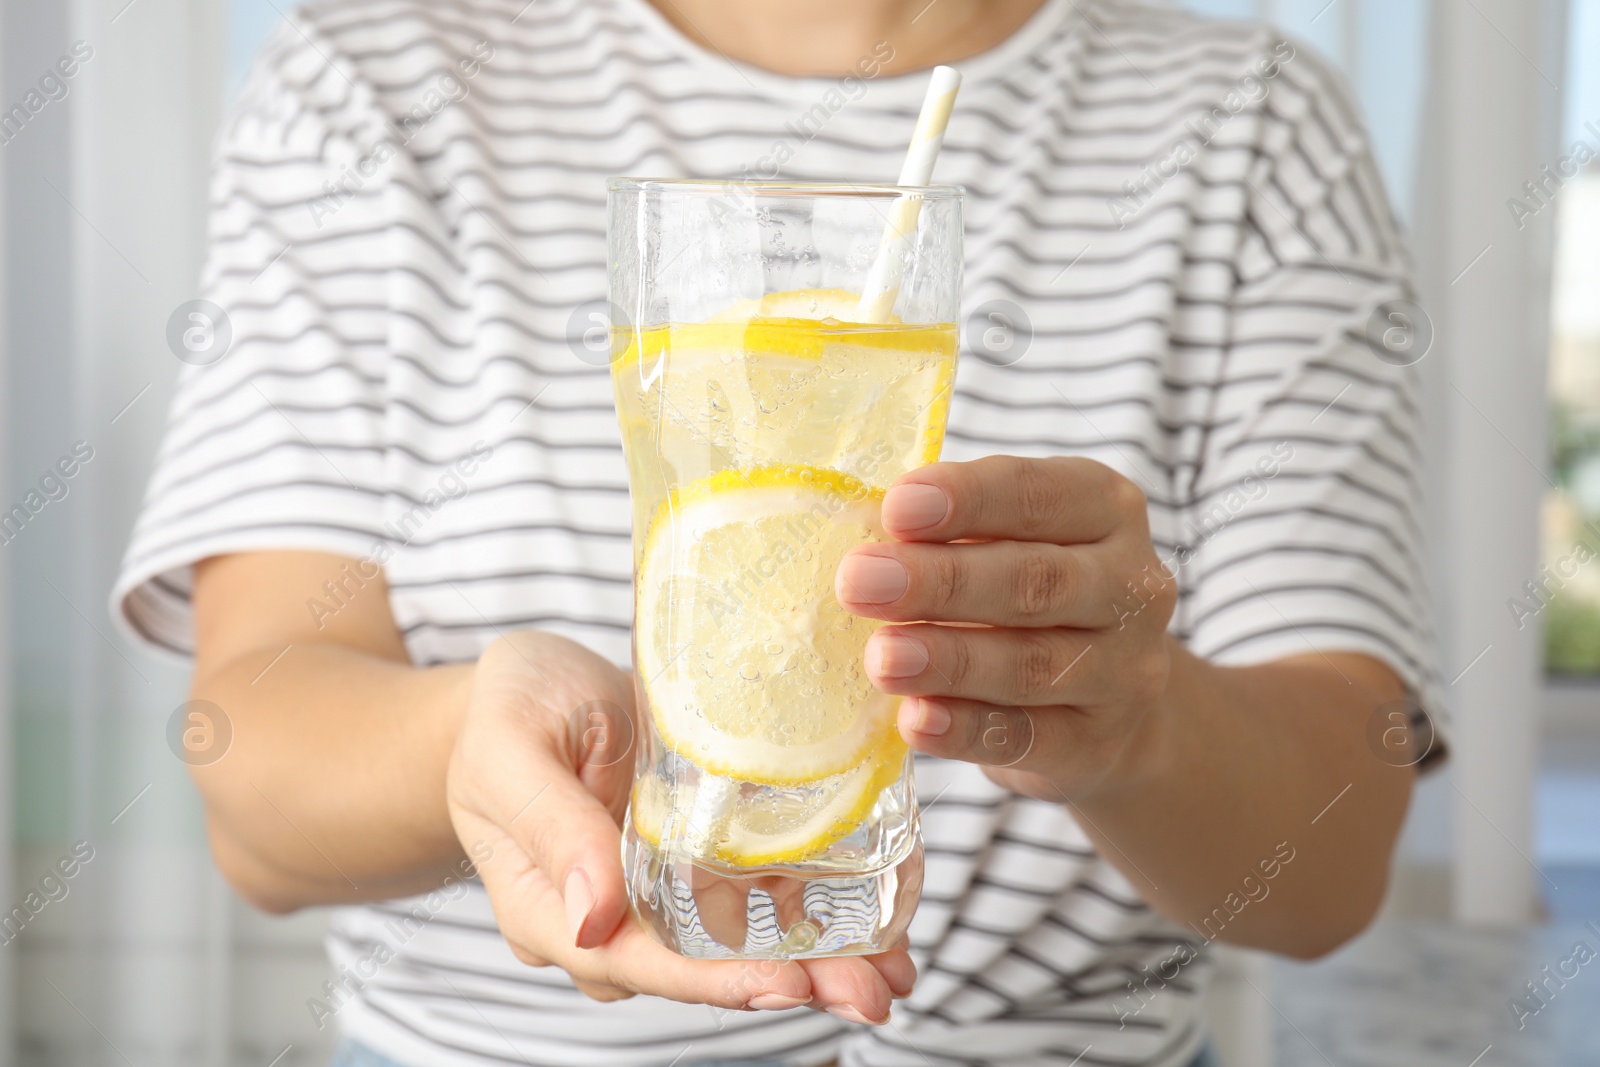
[{"x": 407, "y": 228}]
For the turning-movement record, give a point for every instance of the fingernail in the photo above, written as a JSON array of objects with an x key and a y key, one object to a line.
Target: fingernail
[
  {"x": 874, "y": 579},
  {"x": 896, "y": 656},
  {"x": 775, "y": 1002},
  {"x": 850, "y": 1013},
  {"x": 933, "y": 718},
  {"x": 579, "y": 898},
  {"x": 916, "y": 506}
]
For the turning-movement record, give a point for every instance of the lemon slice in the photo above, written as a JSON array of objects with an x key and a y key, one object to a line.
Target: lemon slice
[
  {"x": 798, "y": 322},
  {"x": 770, "y": 827},
  {"x": 788, "y": 828},
  {"x": 797, "y": 336},
  {"x": 757, "y": 380},
  {"x": 751, "y": 668}
]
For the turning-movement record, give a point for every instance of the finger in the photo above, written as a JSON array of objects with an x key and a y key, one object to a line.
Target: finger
[
  {"x": 1023, "y": 749},
  {"x": 602, "y": 734},
  {"x": 602, "y": 992},
  {"x": 530, "y": 915},
  {"x": 573, "y": 838},
  {"x": 849, "y": 988},
  {"x": 723, "y": 905},
  {"x": 633, "y": 961},
  {"x": 897, "y": 970},
  {"x": 999, "y": 665},
  {"x": 973, "y": 731},
  {"x": 1002, "y": 583},
  {"x": 1062, "y": 500},
  {"x": 516, "y": 887}
]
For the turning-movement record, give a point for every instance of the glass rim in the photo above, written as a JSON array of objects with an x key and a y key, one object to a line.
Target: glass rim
[{"x": 864, "y": 190}]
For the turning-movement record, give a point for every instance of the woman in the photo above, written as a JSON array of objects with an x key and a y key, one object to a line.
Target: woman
[{"x": 391, "y": 522}]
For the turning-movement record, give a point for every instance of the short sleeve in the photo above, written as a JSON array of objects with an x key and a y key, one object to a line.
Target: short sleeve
[
  {"x": 275, "y": 434},
  {"x": 1302, "y": 530}
]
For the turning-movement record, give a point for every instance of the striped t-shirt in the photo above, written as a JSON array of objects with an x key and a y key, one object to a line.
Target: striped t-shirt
[{"x": 1177, "y": 230}]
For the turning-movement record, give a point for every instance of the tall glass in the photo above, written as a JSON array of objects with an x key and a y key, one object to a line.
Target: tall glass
[{"x": 773, "y": 815}]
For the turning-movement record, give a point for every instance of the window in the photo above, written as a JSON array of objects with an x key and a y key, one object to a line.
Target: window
[
  {"x": 250, "y": 22},
  {"x": 1570, "y": 582}
]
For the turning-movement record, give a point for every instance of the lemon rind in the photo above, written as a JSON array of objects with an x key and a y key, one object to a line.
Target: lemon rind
[
  {"x": 795, "y": 337},
  {"x": 886, "y": 766}
]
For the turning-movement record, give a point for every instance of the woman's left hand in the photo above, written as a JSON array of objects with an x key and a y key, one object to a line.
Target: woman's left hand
[{"x": 1029, "y": 614}]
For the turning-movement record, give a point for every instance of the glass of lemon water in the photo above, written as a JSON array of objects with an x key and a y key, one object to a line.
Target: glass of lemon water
[{"x": 773, "y": 813}]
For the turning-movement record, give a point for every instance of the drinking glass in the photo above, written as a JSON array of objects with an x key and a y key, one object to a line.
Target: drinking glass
[{"x": 773, "y": 814}]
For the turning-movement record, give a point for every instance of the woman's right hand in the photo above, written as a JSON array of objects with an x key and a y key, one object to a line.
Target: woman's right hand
[{"x": 546, "y": 795}]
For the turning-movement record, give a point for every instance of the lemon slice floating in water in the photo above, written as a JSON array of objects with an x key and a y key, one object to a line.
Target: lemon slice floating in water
[
  {"x": 769, "y": 827},
  {"x": 758, "y": 378},
  {"x": 751, "y": 668}
]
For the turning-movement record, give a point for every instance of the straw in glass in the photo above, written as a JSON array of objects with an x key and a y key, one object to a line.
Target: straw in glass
[{"x": 883, "y": 279}]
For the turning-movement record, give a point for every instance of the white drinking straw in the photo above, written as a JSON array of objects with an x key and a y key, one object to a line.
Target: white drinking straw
[{"x": 883, "y": 280}]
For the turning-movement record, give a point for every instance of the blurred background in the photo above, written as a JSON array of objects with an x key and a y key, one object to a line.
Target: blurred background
[{"x": 1477, "y": 110}]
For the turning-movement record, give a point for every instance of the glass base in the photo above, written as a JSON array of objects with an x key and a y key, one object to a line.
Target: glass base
[{"x": 710, "y": 912}]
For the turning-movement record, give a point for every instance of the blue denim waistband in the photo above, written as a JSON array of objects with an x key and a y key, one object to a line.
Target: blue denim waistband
[{"x": 351, "y": 1054}]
